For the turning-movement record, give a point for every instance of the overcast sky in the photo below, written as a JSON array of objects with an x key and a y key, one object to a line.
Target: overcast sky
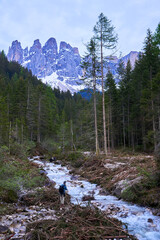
[{"x": 73, "y": 21}]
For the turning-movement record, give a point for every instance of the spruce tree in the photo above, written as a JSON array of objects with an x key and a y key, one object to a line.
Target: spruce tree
[
  {"x": 91, "y": 67},
  {"x": 111, "y": 102},
  {"x": 107, "y": 39}
]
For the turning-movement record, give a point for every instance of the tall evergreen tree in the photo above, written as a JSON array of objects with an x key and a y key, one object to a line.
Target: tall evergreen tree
[
  {"x": 111, "y": 102},
  {"x": 105, "y": 35},
  {"x": 151, "y": 63},
  {"x": 91, "y": 67}
]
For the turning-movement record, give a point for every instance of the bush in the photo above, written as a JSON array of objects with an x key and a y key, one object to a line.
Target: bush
[
  {"x": 78, "y": 163},
  {"x": 51, "y": 146},
  {"x": 18, "y": 150},
  {"x": 130, "y": 194},
  {"x": 34, "y": 181},
  {"x": 8, "y": 195},
  {"x": 16, "y": 174},
  {"x": 4, "y": 150},
  {"x": 74, "y": 156}
]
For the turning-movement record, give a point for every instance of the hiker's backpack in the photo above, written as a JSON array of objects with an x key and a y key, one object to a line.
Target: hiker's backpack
[{"x": 61, "y": 189}]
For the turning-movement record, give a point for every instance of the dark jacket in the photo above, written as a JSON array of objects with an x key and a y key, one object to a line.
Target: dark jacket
[{"x": 64, "y": 189}]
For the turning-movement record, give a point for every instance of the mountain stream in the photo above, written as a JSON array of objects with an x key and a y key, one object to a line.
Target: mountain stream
[{"x": 140, "y": 220}]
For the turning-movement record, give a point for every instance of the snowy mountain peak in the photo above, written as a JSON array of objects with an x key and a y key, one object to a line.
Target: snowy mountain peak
[{"x": 60, "y": 69}]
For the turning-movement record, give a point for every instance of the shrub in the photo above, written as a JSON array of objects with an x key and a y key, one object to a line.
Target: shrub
[
  {"x": 16, "y": 174},
  {"x": 8, "y": 195},
  {"x": 18, "y": 150},
  {"x": 51, "y": 146},
  {"x": 74, "y": 156}
]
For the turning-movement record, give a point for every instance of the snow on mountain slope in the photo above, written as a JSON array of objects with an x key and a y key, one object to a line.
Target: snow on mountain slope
[
  {"x": 64, "y": 86},
  {"x": 59, "y": 69}
]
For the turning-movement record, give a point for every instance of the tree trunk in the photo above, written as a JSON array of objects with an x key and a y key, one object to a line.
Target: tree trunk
[
  {"x": 152, "y": 107},
  {"x": 103, "y": 101},
  {"x": 17, "y": 138},
  {"x": 73, "y": 145},
  {"x": 133, "y": 147},
  {"x": 22, "y": 133},
  {"x": 95, "y": 119},
  {"x": 124, "y": 134},
  {"x": 108, "y": 127},
  {"x": 9, "y": 137},
  {"x": 112, "y": 132},
  {"x": 143, "y": 134},
  {"x": 129, "y": 141},
  {"x": 28, "y": 96},
  {"x": 39, "y": 119},
  {"x": 158, "y": 118}
]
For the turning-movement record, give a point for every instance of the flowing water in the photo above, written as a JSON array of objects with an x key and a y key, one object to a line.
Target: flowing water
[{"x": 140, "y": 220}]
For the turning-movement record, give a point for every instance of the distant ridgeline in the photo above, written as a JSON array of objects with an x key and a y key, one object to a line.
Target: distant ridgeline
[{"x": 58, "y": 68}]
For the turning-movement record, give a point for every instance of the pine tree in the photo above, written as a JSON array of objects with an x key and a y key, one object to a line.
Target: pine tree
[
  {"x": 91, "y": 67},
  {"x": 104, "y": 34},
  {"x": 111, "y": 102},
  {"x": 151, "y": 63},
  {"x": 125, "y": 92},
  {"x": 4, "y": 123}
]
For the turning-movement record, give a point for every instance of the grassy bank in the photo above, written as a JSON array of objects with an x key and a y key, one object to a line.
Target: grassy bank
[{"x": 17, "y": 174}]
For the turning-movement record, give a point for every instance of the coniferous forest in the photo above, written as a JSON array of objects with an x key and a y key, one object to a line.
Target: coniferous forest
[
  {"x": 111, "y": 137},
  {"x": 32, "y": 111}
]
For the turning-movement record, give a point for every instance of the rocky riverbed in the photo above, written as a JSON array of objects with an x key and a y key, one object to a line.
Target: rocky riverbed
[
  {"x": 34, "y": 208},
  {"x": 140, "y": 220},
  {"x": 13, "y": 226}
]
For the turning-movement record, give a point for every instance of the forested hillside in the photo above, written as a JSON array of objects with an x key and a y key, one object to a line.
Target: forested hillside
[{"x": 32, "y": 111}]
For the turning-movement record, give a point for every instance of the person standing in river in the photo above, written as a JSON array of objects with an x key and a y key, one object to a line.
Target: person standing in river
[{"x": 62, "y": 190}]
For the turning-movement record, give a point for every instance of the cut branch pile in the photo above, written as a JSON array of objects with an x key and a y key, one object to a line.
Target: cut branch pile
[{"x": 78, "y": 223}]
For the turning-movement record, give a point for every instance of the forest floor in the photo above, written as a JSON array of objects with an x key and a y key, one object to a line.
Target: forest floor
[{"x": 132, "y": 177}]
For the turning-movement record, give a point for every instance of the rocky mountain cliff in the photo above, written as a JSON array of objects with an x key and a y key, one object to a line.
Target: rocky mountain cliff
[{"x": 58, "y": 68}]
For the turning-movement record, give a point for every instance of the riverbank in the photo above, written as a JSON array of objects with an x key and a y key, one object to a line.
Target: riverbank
[
  {"x": 73, "y": 221},
  {"x": 133, "y": 178},
  {"x": 42, "y": 207},
  {"x": 40, "y": 216},
  {"x": 139, "y": 220},
  {"x": 36, "y": 214}
]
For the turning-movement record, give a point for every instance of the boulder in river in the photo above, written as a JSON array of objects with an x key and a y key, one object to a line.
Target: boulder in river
[
  {"x": 3, "y": 229},
  {"x": 87, "y": 198}
]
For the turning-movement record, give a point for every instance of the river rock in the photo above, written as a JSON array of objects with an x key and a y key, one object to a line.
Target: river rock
[
  {"x": 113, "y": 166},
  {"x": 3, "y": 229},
  {"x": 122, "y": 185},
  {"x": 42, "y": 172},
  {"x": 103, "y": 192},
  {"x": 150, "y": 220},
  {"x": 74, "y": 177},
  {"x": 19, "y": 238},
  {"x": 117, "y": 192},
  {"x": 87, "y": 198}
]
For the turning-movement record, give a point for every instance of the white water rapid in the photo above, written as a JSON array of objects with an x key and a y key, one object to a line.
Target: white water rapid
[{"x": 140, "y": 220}]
